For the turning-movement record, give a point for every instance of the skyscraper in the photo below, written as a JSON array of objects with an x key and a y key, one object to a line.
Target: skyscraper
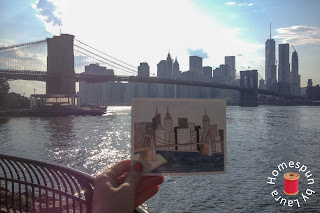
[
  {"x": 143, "y": 69},
  {"x": 295, "y": 84},
  {"x": 231, "y": 62},
  {"x": 161, "y": 69},
  {"x": 164, "y": 67},
  {"x": 169, "y": 66},
  {"x": 207, "y": 71},
  {"x": 195, "y": 64},
  {"x": 176, "y": 69},
  {"x": 224, "y": 70},
  {"x": 270, "y": 57},
  {"x": 284, "y": 66}
]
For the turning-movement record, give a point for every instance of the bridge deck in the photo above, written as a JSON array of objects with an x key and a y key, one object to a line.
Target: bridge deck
[{"x": 91, "y": 78}]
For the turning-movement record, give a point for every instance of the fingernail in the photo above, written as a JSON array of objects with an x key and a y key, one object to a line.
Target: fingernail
[{"x": 138, "y": 167}]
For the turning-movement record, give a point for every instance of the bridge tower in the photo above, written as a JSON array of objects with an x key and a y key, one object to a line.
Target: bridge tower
[
  {"x": 60, "y": 65},
  {"x": 249, "y": 81},
  {"x": 148, "y": 153}
]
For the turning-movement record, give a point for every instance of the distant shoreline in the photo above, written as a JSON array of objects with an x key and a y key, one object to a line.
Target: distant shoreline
[{"x": 49, "y": 113}]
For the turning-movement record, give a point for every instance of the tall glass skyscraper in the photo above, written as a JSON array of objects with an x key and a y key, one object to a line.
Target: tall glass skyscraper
[
  {"x": 295, "y": 77},
  {"x": 231, "y": 62},
  {"x": 284, "y": 66},
  {"x": 270, "y": 58}
]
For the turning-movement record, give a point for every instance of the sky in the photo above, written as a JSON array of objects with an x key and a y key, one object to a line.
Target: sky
[{"x": 146, "y": 30}]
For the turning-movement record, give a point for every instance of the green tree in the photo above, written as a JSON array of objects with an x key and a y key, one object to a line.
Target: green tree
[{"x": 4, "y": 90}]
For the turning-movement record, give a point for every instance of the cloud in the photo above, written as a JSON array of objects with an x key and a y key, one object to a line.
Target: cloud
[
  {"x": 48, "y": 14},
  {"x": 299, "y": 35},
  {"x": 230, "y": 3},
  {"x": 240, "y": 54},
  {"x": 136, "y": 31},
  {"x": 245, "y": 4},
  {"x": 197, "y": 52}
]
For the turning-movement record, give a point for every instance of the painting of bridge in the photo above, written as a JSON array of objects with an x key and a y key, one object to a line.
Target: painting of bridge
[{"x": 166, "y": 131}]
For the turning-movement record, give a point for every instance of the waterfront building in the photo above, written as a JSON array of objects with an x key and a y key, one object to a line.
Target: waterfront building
[
  {"x": 313, "y": 93},
  {"x": 176, "y": 69},
  {"x": 284, "y": 66},
  {"x": 207, "y": 71},
  {"x": 262, "y": 84},
  {"x": 144, "y": 69},
  {"x": 231, "y": 62},
  {"x": 309, "y": 83},
  {"x": 295, "y": 80},
  {"x": 96, "y": 93},
  {"x": 141, "y": 90},
  {"x": 165, "y": 70},
  {"x": 169, "y": 67},
  {"x": 165, "y": 67},
  {"x": 185, "y": 91},
  {"x": 216, "y": 74},
  {"x": 224, "y": 72},
  {"x": 195, "y": 64},
  {"x": 161, "y": 69}
]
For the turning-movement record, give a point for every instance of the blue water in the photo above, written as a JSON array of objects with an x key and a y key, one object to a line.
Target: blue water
[
  {"x": 258, "y": 140},
  {"x": 183, "y": 162}
]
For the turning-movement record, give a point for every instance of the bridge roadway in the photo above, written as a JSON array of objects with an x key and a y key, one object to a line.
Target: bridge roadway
[{"x": 91, "y": 78}]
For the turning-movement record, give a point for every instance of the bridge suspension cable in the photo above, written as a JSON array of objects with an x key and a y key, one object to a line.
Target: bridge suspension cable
[
  {"x": 21, "y": 45},
  {"x": 105, "y": 54},
  {"x": 96, "y": 54},
  {"x": 104, "y": 62},
  {"x": 27, "y": 56},
  {"x": 104, "y": 59}
]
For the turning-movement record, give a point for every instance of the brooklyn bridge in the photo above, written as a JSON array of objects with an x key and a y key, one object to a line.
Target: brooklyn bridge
[{"x": 59, "y": 61}]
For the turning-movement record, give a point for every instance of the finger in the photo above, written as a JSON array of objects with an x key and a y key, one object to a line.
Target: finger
[
  {"x": 140, "y": 198},
  {"x": 134, "y": 175},
  {"x": 122, "y": 178},
  {"x": 119, "y": 168},
  {"x": 149, "y": 182}
]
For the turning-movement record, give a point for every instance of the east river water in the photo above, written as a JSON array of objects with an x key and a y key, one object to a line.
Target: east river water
[{"x": 258, "y": 140}]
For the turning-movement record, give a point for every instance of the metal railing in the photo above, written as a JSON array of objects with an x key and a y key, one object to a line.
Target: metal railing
[{"x": 35, "y": 186}]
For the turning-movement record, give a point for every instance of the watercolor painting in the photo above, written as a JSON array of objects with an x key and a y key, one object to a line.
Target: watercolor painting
[{"x": 179, "y": 136}]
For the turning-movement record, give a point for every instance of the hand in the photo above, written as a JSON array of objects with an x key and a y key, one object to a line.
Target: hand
[{"x": 122, "y": 189}]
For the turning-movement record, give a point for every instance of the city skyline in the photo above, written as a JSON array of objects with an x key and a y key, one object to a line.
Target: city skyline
[{"x": 219, "y": 29}]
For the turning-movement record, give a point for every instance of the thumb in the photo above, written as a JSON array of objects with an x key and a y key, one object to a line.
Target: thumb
[{"x": 135, "y": 175}]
